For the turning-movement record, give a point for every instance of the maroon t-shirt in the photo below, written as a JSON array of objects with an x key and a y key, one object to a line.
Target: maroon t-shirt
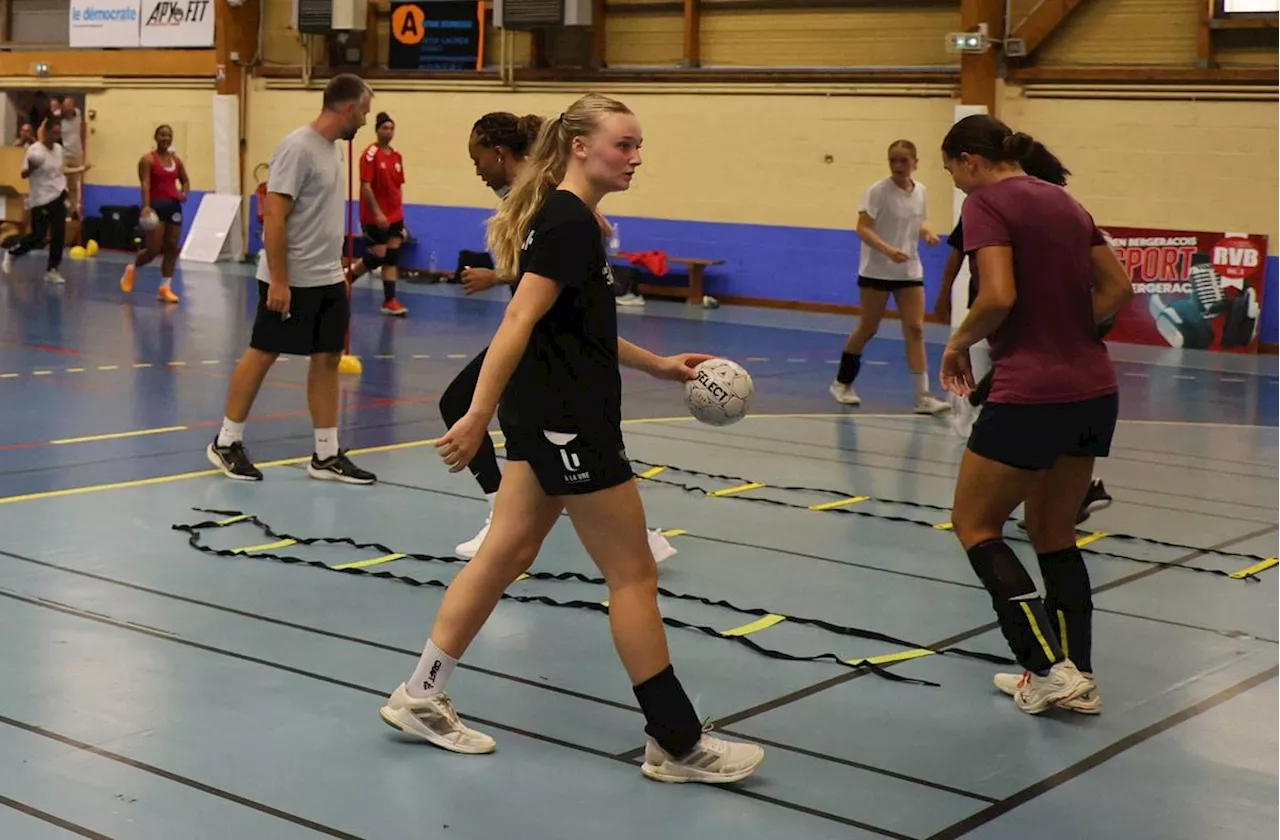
[{"x": 1048, "y": 349}]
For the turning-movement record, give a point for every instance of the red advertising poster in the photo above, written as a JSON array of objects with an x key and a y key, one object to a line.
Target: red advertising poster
[{"x": 1193, "y": 290}]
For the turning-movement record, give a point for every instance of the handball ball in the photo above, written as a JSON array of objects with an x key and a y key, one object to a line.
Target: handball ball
[
  {"x": 722, "y": 393},
  {"x": 91, "y": 247},
  {"x": 148, "y": 221}
]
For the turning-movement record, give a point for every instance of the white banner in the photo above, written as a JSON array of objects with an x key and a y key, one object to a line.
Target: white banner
[
  {"x": 177, "y": 23},
  {"x": 104, "y": 23}
]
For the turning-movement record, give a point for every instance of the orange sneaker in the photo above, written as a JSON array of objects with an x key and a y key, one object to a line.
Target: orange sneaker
[
  {"x": 166, "y": 295},
  {"x": 126, "y": 279},
  {"x": 394, "y": 307}
]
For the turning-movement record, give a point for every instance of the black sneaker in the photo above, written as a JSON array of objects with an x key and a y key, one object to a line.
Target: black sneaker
[
  {"x": 1096, "y": 498},
  {"x": 234, "y": 461},
  {"x": 339, "y": 468}
]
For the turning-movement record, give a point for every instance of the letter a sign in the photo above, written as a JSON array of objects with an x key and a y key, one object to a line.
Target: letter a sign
[{"x": 434, "y": 35}]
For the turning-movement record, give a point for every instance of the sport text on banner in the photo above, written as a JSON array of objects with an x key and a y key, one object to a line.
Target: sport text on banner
[{"x": 1192, "y": 289}]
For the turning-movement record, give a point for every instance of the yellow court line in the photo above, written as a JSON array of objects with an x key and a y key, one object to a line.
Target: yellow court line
[
  {"x": 755, "y": 626},
  {"x": 264, "y": 547},
  {"x": 118, "y": 435},
  {"x": 372, "y": 561},
  {"x": 885, "y": 659},
  {"x": 675, "y": 532},
  {"x": 652, "y": 472},
  {"x": 1256, "y": 567},
  {"x": 168, "y": 479},
  {"x": 458, "y": 356},
  {"x": 1091, "y": 538},
  {"x": 75, "y": 370},
  {"x": 852, "y": 500},
  {"x": 741, "y": 488},
  {"x": 148, "y": 364},
  {"x": 209, "y": 362},
  {"x": 421, "y": 356},
  {"x": 41, "y": 373},
  {"x": 9, "y": 375},
  {"x": 175, "y": 364},
  {"x": 108, "y": 367}
]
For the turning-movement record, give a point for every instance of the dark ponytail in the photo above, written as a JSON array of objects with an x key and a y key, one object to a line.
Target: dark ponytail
[
  {"x": 500, "y": 128},
  {"x": 985, "y": 137}
]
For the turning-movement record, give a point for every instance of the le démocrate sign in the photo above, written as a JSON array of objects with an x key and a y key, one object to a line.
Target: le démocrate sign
[{"x": 98, "y": 24}]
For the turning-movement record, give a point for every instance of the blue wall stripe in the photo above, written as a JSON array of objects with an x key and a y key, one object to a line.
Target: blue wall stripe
[{"x": 775, "y": 262}]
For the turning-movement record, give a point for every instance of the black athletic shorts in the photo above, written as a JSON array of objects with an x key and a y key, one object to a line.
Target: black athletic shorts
[
  {"x": 887, "y": 285},
  {"x": 1034, "y": 437},
  {"x": 169, "y": 211},
  {"x": 374, "y": 235},
  {"x": 317, "y": 322},
  {"x": 571, "y": 463}
]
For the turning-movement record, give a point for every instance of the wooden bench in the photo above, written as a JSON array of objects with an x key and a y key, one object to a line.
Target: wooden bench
[{"x": 693, "y": 293}]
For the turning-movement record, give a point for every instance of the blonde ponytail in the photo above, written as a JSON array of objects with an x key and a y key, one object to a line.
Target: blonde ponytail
[{"x": 542, "y": 172}]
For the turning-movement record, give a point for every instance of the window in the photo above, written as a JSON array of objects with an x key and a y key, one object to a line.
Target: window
[{"x": 1237, "y": 7}]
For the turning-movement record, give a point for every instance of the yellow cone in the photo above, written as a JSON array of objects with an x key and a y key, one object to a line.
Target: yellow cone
[{"x": 350, "y": 365}]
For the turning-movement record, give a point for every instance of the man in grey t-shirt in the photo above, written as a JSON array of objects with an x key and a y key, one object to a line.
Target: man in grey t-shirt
[{"x": 303, "y": 309}]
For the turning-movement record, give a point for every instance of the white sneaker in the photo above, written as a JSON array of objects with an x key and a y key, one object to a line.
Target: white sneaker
[
  {"x": 629, "y": 299},
  {"x": 844, "y": 394},
  {"x": 660, "y": 546},
  {"x": 434, "y": 720},
  {"x": 471, "y": 547},
  {"x": 1065, "y": 687},
  {"x": 929, "y": 404},
  {"x": 6, "y": 265},
  {"x": 713, "y": 761}
]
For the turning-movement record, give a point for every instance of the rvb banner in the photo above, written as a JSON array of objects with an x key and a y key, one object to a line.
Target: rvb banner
[
  {"x": 104, "y": 23},
  {"x": 177, "y": 23},
  {"x": 1193, "y": 290}
]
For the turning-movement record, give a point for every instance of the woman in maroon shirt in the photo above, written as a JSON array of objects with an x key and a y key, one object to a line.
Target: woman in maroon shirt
[{"x": 1048, "y": 280}]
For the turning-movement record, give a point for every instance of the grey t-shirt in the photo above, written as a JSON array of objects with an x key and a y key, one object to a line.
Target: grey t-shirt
[{"x": 309, "y": 169}]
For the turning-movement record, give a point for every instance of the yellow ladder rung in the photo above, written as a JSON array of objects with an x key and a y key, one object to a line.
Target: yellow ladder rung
[
  {"x": 755, "y": 626},
  {"x": 1255, "y": 568},
  {"x": 741, "y": 488},
  {"x": 264, "y": 547},
  {"x": 373, "y": 561},
  {"x": 839, "y": 503}
]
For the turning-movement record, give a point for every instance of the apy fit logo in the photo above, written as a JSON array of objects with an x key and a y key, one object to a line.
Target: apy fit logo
[{"x": 172, "y": 13}]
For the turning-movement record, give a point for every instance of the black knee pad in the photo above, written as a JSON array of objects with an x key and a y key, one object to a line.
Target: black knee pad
[
  {"x": 393, "y": 257},
  {"x": 371, "y": 260},
  {"x": 1066, "y": 581},
  {"x": 1000, "y": 571}
]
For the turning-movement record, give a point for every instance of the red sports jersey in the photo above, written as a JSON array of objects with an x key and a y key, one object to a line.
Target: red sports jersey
[
  {"x": 165, "y": 184},
  {"x": 384, "y": 172}
]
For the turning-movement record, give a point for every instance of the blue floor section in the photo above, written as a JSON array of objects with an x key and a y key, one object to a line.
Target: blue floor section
[{"x": 154, "y": 690}]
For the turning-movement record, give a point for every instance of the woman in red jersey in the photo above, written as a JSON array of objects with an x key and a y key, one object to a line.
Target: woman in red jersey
[
  {"x": 165, "y": 187},
  {"x": 382, "y": 213},
  {"x": 1048, "y": 279}
]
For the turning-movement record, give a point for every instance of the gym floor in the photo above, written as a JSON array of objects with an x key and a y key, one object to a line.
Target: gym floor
[{"x": 154, "y": 690}]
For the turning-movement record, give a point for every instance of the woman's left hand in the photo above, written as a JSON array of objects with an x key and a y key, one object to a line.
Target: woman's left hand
[
  {"x": 680, "y": 368},
  {"x": 956, "y": 374}
]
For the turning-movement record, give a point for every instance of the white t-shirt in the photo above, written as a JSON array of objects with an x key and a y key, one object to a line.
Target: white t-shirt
[
  {"x": 71, "y": 145},
  {"x": 44, "y": 172},
  {"x": 898, "y": 216}
]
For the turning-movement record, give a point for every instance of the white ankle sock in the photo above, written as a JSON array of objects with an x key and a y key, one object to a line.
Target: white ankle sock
[
  {"x": 166, "y": 282},
  {"x": 432, "y": 672},
  {"x": 326, "y": 443},
  {"x": 921, "y": 381},
  {"x": 230, "y": 432}
]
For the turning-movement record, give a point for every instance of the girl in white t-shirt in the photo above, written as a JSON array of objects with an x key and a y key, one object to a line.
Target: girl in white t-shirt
[{"x": 891, "y": 223}]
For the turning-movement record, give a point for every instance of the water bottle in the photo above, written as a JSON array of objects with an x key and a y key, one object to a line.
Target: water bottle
[
  {"x": 615, "y": 240},
  {"x": 433, "y": 264}
]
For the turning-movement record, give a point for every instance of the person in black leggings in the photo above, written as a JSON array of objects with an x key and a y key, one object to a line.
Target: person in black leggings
[
  {"x": 1044, "y": 165},
  {"x": 498, "y": 145}
]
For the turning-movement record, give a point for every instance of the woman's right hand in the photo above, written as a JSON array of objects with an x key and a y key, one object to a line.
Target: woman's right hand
[
  {"x": 478, "y": 279},
  {"x": 898, "y": 255}
]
